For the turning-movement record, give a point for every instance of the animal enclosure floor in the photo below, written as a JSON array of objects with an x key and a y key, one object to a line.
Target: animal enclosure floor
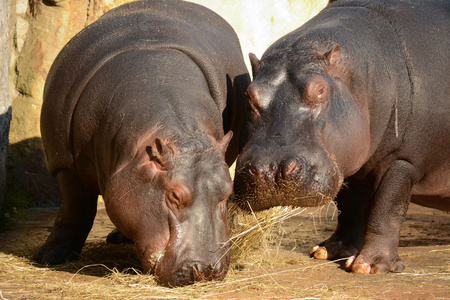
[{"x": 279, "y": 269}]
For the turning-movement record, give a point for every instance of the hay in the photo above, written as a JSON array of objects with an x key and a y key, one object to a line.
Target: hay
[
  {"x": 106, "y": 271},
  {"x": 113, "y": 271},
  {"x": 30, "y": 282},
  {"x": 250, "y": 231}
]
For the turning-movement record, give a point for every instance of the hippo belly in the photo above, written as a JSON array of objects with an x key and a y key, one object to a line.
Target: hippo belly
[
  {"x": 434, "y": 190},
  {"x": 353, "y": 106},
  {"x": 140, "y": 107}
]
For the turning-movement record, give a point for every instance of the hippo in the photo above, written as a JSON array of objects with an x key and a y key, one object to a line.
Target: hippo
[
  {"x": 353, "y": 106},
  {"x": 140, "y": 107}
]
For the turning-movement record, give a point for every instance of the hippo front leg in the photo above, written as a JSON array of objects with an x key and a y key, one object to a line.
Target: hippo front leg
[
  {"x": 379, "y": 251},
  {"x": 352, "y": 202},
  {"x": 73, "y": 222}
]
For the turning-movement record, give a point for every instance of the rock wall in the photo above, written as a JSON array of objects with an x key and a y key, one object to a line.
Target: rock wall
[
  {"x": 5, "y": 99},
  {"x": 40, "y": 28}
]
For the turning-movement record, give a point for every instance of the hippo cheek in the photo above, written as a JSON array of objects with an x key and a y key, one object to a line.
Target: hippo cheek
[
  {"x": 293, "y": 180},
  {"x": 191, "y": 256}
]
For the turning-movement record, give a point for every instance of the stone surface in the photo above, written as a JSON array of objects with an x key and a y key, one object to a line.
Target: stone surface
[{"x": 5, "y": 98}]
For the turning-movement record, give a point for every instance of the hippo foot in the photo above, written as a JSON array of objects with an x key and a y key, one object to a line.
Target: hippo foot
[
  {"x": 117, "y": 237},
  {"x": 52, "y": 254},
  {"x": 374, "y": 264},
  {"x": 332, "y": 250}
]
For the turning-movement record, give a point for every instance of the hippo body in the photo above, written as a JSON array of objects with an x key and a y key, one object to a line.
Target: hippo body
[
  {"x": 359, "y": 94},
  {"x": 135, "y": 109}
]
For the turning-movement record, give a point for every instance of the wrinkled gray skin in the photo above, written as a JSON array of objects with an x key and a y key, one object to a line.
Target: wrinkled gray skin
[
  {"x": 135, "y": 109},
  {"x": 361, "y": 93}
]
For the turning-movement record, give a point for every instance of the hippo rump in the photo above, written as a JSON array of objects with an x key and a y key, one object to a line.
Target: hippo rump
[
  {"x": 135, "y": 109},
  {"x": 359, "y": 94}
]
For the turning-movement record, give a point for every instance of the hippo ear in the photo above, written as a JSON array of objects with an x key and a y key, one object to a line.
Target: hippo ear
[
  {"x": 333, "y": 55},
  {"x": 159, "y": 152},
  {"x": 256, "y": 64},
  {"x": 223, "y": 144}
]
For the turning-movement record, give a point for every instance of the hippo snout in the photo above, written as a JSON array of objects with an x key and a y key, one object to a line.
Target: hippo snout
[
  {"x": 202, "y": 272},
  {"x": 288, "y": 169},
  {"x": 192, "y": 272},
  {"x": 293, "y": 180}
]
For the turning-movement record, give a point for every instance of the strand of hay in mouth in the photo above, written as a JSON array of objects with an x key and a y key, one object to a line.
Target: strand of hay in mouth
[{"x": 251, "y": 230}]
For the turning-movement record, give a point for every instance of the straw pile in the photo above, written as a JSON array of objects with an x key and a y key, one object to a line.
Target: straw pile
[
  {"x": 107, "y": 271},
  {"x": 250, "y": 231}
]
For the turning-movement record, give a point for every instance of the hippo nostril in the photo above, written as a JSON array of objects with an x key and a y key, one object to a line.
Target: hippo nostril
[
  {"x": 218, "y": 269},
  {"x": 254, "y": 170},
  {"x": 273, "y": 167},
  {"x": 261, "y": 171},
  {"x": 288, "y": 166},
  {"x": 198, "y": 272},
  {"x": 209, "y": 272}
]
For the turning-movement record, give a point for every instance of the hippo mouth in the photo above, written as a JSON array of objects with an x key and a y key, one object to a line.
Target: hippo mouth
[
  {"x": 185, "y": 261},
  {"x": 189, "y": 273},
  {"x": 169, "y": 272},
  {"x": 257, "y": 190}
]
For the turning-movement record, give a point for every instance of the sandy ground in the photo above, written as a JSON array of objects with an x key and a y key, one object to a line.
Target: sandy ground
[{"x": 280, "y": 269}]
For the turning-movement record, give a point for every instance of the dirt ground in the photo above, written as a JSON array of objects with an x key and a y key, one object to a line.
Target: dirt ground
[{"x": 279, "y": 269}]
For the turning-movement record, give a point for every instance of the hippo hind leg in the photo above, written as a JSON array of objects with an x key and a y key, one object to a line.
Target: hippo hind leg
[
  {"x": 73, "y": 221},
  {"x": 117, "y": 237}
]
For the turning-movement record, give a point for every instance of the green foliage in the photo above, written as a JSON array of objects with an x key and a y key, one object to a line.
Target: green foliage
[{"x": 14, "y": 205}]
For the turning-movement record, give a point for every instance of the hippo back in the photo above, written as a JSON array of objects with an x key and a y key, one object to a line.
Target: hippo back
[
  {"x": 416, "y": 25},
  {"x": 139, "y": 26}
]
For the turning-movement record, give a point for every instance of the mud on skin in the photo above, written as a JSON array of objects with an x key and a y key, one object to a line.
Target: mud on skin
[
  {"x": 349, "y": 97},
  {"x": 141, "y": 107}
]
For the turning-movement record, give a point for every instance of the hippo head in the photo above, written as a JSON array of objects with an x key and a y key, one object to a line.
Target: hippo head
[
  {"x": 172, "y": 202},
  {"x": 305, "y": 132}
]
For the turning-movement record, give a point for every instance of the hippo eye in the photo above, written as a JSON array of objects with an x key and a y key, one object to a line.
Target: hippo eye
[
  {"x": 178, "y": 198},
  {"x": 320, "y": 92},
  {"x": 316, "y": 91},
  {"x": 175, "y": 197},
  {"x": 254, "y": 111},
  {"x": 253, "y": 100}
]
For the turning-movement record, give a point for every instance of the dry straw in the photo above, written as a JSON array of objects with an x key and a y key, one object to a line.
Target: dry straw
[
  {"x": 113, "y": 271},
  {"x": 252, "y": 230}
]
